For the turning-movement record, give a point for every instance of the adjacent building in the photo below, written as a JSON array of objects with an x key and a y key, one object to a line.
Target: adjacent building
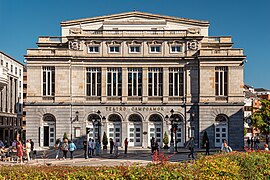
[
  {"x": 11, "y": 80},
  {"x": 135, "y": 75}
]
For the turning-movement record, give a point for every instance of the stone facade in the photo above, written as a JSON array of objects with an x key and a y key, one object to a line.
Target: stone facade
[
  {"x": 134, "y": 75},
  {"x": 11, "y": 81}
]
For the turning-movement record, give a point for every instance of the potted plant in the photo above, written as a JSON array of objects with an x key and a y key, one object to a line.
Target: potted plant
[
  {"x": 166, "y": 141},
  {"x": 105, "y": 141}
]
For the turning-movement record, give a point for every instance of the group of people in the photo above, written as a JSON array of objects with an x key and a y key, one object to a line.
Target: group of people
[
  {"x": 93, "y": 148},
  {"x": 17, "y": 150},
  {"x": 254, "y": 143},
  {"x": 65, "y": 147}
]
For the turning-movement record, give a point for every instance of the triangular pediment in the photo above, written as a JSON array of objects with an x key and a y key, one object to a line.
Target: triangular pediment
[{"x": 136, "y": 17}]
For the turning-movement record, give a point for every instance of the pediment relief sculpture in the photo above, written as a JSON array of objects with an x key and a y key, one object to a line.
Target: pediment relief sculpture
[
  {"x": 194, "y": 30},
  {"x": 114, "y": 42},
  {"x": 154, "y": 42},
  {"x": 175, "y": 42},
  {"x": 134, "y": 42},
  {"x": 75, "y": 31},
  {"x": 92, "y": 42}
]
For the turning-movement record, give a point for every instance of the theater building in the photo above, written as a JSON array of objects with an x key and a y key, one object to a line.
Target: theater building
[
  {"x": 11, "y": 89},
  {"x": 135, "y": 75}
]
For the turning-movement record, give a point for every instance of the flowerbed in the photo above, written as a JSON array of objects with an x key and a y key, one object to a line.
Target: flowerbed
[{"x": 235, "y": 165}]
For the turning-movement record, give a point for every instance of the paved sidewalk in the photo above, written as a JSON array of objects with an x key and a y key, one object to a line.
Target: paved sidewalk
[{"x": 135, "y": 155}]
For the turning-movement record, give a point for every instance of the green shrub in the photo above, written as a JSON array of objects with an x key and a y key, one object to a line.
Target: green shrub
[{"x": 235, "y": 165}]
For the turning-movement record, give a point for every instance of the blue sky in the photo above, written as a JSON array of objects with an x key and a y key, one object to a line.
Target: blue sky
[{"x": 247, "y": 21}]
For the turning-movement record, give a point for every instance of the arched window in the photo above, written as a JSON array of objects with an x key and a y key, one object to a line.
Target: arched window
[
  {"x": 221, "y": 129},
  {"x": 155, "y": 118},
  {"x": 135, "y": 118},
  {"x": 48, "y": 118},
  {"x": 93, "y": 117},
  {"x": 114, "y": 118}
]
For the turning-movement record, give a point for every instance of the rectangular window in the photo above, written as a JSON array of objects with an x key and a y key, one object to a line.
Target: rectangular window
[
  {"x": 2, "y": 62},
  {"x": 134, "y": 81},
  {"x": 134, "y": 49},
  {"x": 114, "y": 82},
  {"x": 93, "y": 81},
  {"x": 221, "y": 81},
  {"x": 155, "y": 82},
  {"x": 93, "y": 49},
  {"x": 176, "y": 81},
  {"x": 7, "y": 64},
  {"x": 16, "y": 71},
  {"x": 114, "y": 49},
  {"x": 20, "y": 72},
  {"x": 11, "y": 68},
  {"x": 48, "y": 81},
  {"x": 176, "y": 49},
  {"x": 155, "y": 49}
]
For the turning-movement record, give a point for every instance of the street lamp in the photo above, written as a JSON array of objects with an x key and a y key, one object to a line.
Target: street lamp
[
  {"x": 191, "y": 122},
  {"x": 173, "y": 123},
  {"x": 73, "y": 120}
]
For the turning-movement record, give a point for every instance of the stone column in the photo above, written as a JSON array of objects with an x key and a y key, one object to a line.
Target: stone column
[
  {"x": 124, "y": 84},
  {"x": 124, "y": 132},
  {"x": 145, "y": 85},
  {"x": 145, "y": 136},
  {"x": 165, "y": 84},
  {"x": 103, "y": 84}
]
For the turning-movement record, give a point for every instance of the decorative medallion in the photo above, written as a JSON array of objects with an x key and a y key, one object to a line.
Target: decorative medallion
[
  {"x": 192, "y": 45},
  {"x": 75, "y": 45}
]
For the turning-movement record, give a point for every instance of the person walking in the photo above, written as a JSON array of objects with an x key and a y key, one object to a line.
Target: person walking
[
  {"x": 257, "y": 143},
  {"x": 28, "y": 149},
  {"x": 126, "y": 145},
  {"x": 252, "y": 142},
  {"x": 72, "y": 148},
  {"x": 152, "y": 143},
  {"x": 248, "y": 143},
  {"x": 19, "y": 147},
  {"x": 85, "y": 148},
  {"x": 57, "y": 147},
  {"x": 65, "y": 148},
  {"x": 207, "y": 147},
  {"x": 116, "y": 148},
  {"x": 98, "y": 147},
  {"x": 32, "y": 148},
  {"x": 190, "y": 146},
  {"x": 111, "y": 145}
]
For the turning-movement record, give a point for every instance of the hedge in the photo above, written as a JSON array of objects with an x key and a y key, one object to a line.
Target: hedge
[{"x": 235, "y": 165}]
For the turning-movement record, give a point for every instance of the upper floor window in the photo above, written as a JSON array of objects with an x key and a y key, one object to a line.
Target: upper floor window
[
  {"x": 134, "y": 49},
  {"x": 155, "y": 49},
  {"x": 134, "y": 81},
  {"x": 16, "y": 70},
  {"x": 176, "y": 49},
  {"x": 114, "y": 82},
  {"x": 2, "y": 62},
  {"x": 7, "y": 64},
  {"x": 176, "y": 81},
  {"x": 93, "y": 49},
  {"x": 93, "y": 81},
  {"x": 155, "y": 82},
  {"x": 221, "y": 81},
  {"x": 114, "y": 49},
  {"x": 11, "y": 68},
  {"x": 20, "y": 72},
  {"x": 48, "y": 81}
]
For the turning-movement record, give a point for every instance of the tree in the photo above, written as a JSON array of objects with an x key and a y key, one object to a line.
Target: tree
[
  {"x": 105, "y": 140},
  {"x": 166, "y": 140},
  {"x": 261, "y": 118},
  {"x": 205, "y": 137}
]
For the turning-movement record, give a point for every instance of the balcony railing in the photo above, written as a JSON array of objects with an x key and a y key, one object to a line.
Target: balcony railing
[
  {"x": 221, "y": 52},
  {"x": 217, "y": 39},
  {"x": 52, "y": 39}
]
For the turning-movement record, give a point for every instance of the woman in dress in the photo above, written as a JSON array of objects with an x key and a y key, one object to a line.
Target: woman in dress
[
  {"x": 28, "y": 149},
  {"x": 19, "y": 147}
]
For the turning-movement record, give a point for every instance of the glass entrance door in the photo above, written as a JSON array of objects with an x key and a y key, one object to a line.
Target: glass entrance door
[
  {"x": 115, "y": 132},
  {"x": 155, "y": 130},
  {"x": 135, "y": 131},
  {"x": 179, "y": 135},
  {"x": 220, "y": 134}
]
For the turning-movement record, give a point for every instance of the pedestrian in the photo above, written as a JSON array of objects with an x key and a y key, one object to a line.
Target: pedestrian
[
  {"x": 152, "y": 143},
  {"x": 248, "y": 143},
  {"x": 32, "y": 148},
  {"x": 225, "y": 147},
  {"x": 57, "y": 147},
  {"x": 65, "y": 148},
  {"x": 257, "y": 143},
  {"x": 190, "y": 146},
  {"x": 72, "y": 147},
  {"x": 116, "y": 148},
  {"x": 91, "y": 147},
  {"x": 28, "y": 149},
  {"x": 126, "y": 145},
  {"x": 156, "y": 147},
  {"x": 207, "y": 147},
  {"x": 97, "y": 148},
  {"x": 252, "y": 142},
  {"x": 111, "y": 145},
  {"x": 266, "y": 147},
  {"x": 19, "y": 147},
  {"x": 85, "y": 148}
]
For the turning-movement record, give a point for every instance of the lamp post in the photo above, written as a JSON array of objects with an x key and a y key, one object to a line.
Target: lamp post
[
  {"x": 98, "y": 122},
  {"x": 73, "y": 120},
  {"x": 172, "y": 119},
  {"x": 191, "y": 122}
]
